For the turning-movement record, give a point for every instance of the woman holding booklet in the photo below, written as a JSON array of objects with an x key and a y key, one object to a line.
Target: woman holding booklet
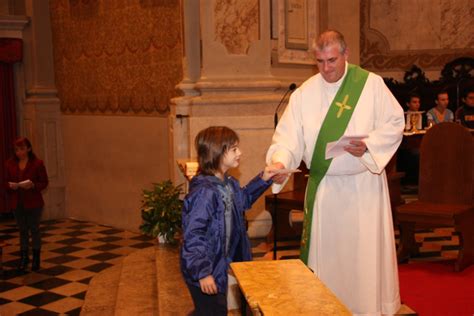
[{"x": 26, "y": 177}]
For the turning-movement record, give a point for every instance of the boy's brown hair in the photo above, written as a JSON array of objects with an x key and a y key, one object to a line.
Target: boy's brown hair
[{"x": 211, "y": 144}]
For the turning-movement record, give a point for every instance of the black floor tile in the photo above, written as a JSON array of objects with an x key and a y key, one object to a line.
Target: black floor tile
[
  {"x": 12, "y": 263},
  {"x": 450, "y": 247},
  {"x": 76, "y": 233},
  {"x": 98, "y": 267},
  {"x": 15, "y": 253},
  {"x": 49, "y": 284},
  {"x": 106, "y": 247},
  {"x": 438, "y": 238},
  {"x": 289, "y": 257},
  {"x": 62, "y": 259},
  {"x": 56, "y": 270},
  {"x": 86, "y": 280},
  {"x": 8, "y": 230},
  {"x": 48, "y": 228},
  {"x": 142, "y": 245},
  {"x": 109, "y": 239},
  {"x": 75, "y": 312},
  {"x": 80, "y": 226},
  {"x": 4, "y": 237},
  {"x": 7, "y": 286},
  {"x": 110, "y": 231},
  {"x": 428, "y": 254},
  {"x": 12, "y": 273},
  {"x": 67, "y": 249},
  {"x": 71, "y": 241},
  {"x": 81, "y": 221},
  {"x": 50, "y": 222},
  {"x": 80, "y": 295},
  {"x": 38, "y": 312},
  {"x": 42, "y": 298},
  {"x": 104, "y": 256}
]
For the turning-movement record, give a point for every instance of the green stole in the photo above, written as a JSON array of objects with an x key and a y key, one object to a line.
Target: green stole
[{"x": 333, "y": 127}]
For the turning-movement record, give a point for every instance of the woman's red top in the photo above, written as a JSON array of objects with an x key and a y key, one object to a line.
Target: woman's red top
[{"x": 34, "y": 171}]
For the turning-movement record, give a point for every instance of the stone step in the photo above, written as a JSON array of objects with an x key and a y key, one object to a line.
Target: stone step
[
  {"x": 137, "y": 288},
  {"x": 173, "y": 295},
  {"x": 101, "y": 295},
  {"x": 147, "y": 282}
]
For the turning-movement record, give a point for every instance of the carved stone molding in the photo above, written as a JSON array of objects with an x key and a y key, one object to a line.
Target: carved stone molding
[
  {"x": 12, "y": 25},
  {"x": 376, "y": 53},
  {"x": 292, "y": 55},
  {"x": 237, "y": 24}
]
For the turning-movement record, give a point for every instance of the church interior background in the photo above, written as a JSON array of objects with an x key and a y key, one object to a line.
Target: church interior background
[{"x": 112, "y": 92}]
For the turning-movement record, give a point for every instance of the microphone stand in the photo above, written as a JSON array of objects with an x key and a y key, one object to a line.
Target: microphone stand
[{"x": 275, "y": 195}]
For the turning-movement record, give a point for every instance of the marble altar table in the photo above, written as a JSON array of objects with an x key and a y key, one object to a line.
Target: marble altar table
[{"x": 285, "y": 287}]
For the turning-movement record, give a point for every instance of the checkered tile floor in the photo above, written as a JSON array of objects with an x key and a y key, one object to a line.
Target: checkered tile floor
[
  {"x": 436, "y": 244},
  {"x": 75, "y": 251},
  {"x": 72, "y": 253}
]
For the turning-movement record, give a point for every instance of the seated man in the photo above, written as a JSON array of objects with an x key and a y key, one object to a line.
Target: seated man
[
  {"x": 408, "y": 159},
  {"x": 440, "y": 113},
  {"x": 465, "y": 114},
  {"x": 413, "y": 105}
]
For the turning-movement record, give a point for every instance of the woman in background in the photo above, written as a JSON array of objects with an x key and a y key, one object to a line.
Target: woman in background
[{"x": 26, "y": 177}]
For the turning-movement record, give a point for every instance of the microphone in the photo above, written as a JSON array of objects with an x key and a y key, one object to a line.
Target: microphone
[{"x": 290, "y": 89}]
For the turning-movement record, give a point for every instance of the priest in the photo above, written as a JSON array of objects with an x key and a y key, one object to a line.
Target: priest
[{"x": 348, "y": 238}]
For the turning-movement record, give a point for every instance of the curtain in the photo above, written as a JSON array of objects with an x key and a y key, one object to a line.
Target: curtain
[{"x": 10, "y": 52}]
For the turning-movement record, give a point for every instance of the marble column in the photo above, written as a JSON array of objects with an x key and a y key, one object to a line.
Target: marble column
[
  {"x": 227, "y": 81},
  {"x": 39, "y": 111}
]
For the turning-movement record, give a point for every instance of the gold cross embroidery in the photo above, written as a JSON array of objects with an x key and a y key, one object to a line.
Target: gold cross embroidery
[{"x": 343, "y": 106}]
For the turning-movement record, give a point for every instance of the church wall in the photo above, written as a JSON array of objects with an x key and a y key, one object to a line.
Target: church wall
[
  {"x": 116, "y": 67},
  {"x": 398, "y": 34},
  {"x": 109, "y": 160}
]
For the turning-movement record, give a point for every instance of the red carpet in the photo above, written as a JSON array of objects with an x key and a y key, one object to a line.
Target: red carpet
[{"x": 433, "y": 288}]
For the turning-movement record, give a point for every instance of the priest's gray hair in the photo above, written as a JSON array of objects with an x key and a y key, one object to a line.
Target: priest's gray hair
[{"x": 328, "y": 38}]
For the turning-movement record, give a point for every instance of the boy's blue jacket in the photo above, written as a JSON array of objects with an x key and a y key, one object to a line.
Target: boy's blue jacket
[{"x": 203, "y": 249}]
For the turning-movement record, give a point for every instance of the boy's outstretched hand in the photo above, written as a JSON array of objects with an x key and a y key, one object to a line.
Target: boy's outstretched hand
[
  {"x": 208, "y": 285},
  {"x": 270, "y": 173}
]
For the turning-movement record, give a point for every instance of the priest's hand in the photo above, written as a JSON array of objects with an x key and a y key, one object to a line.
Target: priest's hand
[
  {"x": 357, "y": 148},
  {"x": 208, "y": 285},
  {"x": 281, "y": 177}
]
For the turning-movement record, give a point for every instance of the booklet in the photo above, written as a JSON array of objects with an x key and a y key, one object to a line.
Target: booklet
[
  {"x": 336, "y": 148},
  {"x": 285, "y": 171}
]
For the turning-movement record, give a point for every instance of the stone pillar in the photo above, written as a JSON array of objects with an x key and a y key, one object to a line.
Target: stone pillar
[
  {"x": 340, "y": 16},
  {"x": 228, "y": 82},
  {"x": 39, "y": 113}
]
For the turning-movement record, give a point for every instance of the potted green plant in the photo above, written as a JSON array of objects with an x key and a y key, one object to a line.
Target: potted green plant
[{"x": 161, "y": 211}]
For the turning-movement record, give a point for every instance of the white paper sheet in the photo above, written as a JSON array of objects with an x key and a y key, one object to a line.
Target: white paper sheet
[
  {"x": 336, "y": 148},
  {"x": 286, "y": 171}
]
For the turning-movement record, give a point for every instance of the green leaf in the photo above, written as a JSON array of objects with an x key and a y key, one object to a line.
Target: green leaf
[{"x": 161, "y": 210}]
